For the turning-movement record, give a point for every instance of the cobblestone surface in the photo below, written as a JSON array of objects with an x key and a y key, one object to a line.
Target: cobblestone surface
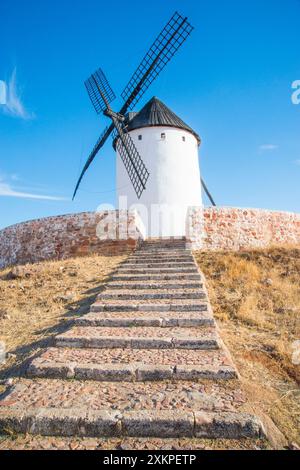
[
  {"x": 169, "y": 304},
  {"x": 153, "y": 319},
  {"x": 156, "y": 277},
  {"x": 141, "y": 294},
  {"x": 74, "y": 443},
  {"x": 178, "y": 284},
  {"x": 153, "y": 380},
  {"x": 139, "y": 332},
  {"x": 146, "y": 356},
  {"x": 152, "y": 314},
  {"x": 157, "y": 270},
  {"x": 130, "y": 396}
]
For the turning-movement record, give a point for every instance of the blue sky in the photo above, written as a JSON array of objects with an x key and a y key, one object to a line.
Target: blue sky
[{"x": 231, "y": 81}]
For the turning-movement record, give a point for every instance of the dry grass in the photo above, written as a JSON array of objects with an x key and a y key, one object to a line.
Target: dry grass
[
  {"x": 42, "y": 299},
  {"x": 256, "y": 300}
]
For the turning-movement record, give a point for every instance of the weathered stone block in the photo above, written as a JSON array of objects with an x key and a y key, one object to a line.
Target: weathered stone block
[
  {"x": 13, "y": 420},
  {"x": 154, "y": 372},
  {"x": 101, "y": 423},
  {"x": 151, "y": 343},
  {"x": 51, "y": 369},
  {"x": 56, "y": 421},
  {"x": 227, "y": 425},
  {"x": 105, "y": 372},
  {"x": 158, "y": 424},
  {"x": 189, "y": 343}
]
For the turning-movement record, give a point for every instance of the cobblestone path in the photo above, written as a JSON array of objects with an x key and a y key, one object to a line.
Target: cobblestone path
[{"x": 146, "y": 361}]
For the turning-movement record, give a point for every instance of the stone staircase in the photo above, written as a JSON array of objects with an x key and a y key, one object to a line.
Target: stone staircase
[{"x": 147, "y": 360}]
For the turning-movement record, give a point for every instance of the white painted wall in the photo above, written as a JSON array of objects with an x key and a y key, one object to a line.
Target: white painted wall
[{"x": 174, "y": 182}]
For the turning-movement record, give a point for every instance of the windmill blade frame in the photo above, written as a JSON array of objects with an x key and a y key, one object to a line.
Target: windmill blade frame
[
  {"x": 208, "y": 193},
  {"x": 100, "y": 142},
  {"x": 131, "y": 158},
  {"x": 99, "y": 91},
  {"x": 167, "y": 43}
]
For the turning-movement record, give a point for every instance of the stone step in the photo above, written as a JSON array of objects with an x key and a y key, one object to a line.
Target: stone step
[
  {"x": 203, "y": 394},
  {"x": 163, "y": 246},
  {"x": 139, "y": 338},
  {"x": 149, "y": 306},
  {"x": 179, "y": 284},
  {"x": 172, "y": 240},
  {"x": 155, "y": 319},
  {"x": 179, "y": 248},
  {"x": 157, "y": 277},
  {"x": 160, "y": 259},
  {"x": 138, "y": 270},
  {"x": 161, "y": 264},
  {"x": 172, "y": 244},
  {"x": 165, "y": 260},
  {"x": 162, "y": 253},
  {"x": 141, "y": 294},
  {"x": 130, "y": 366},
  {"x": 164, "y": 241},
  {"x": 139, "y": 409},
  {"x": 102, "y": 423}
]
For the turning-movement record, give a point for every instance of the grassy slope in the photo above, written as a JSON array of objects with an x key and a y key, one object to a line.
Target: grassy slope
[
  {"x": 256, "y": 300},
  {"x": 43, "y": 299}
]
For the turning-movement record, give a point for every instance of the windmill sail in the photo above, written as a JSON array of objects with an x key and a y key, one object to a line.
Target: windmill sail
[
  {"x": 100, "y": 142},
  {"x": 101, "y": 94},
  {"x": 160, "y": 53},
  {"x": 99, "y": 91},
  {"x": 132, "y": 160},
  {"x": 208, "y": 193}
]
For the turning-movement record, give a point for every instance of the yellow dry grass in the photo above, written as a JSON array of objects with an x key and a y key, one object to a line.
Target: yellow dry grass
[
  {"x": 256, "y": 300},
  {"x": 44, "y": 298}
]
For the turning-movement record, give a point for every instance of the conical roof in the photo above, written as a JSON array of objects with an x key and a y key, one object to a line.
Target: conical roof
[{"x": 156, "y": 113}]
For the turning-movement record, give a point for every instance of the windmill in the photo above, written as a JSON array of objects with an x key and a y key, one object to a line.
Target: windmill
[{"x": 167, "y": 43}]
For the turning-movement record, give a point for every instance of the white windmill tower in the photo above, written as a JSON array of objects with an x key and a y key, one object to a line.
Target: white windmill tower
[
  {"x": 170, "y": 153},
  {"x": 158, "y": 150}
]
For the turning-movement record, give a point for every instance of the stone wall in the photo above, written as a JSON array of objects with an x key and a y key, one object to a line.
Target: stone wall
[
  {"x": 225, "y": 228},
  {"x": 116, "y": 232},
  {"x": 107, "y": 233}
]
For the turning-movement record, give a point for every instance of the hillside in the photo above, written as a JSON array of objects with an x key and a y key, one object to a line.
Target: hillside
[{"x": 256, "y": 299}]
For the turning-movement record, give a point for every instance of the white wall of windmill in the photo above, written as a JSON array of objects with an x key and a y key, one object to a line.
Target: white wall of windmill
[{"x": 171, "y": 156}]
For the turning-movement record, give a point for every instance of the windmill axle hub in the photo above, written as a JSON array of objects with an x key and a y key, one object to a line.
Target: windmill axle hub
[{"x": 113, "y": 115}]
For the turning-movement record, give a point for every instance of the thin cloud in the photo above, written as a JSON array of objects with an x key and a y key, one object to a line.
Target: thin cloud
[
  {"x": 2, "y": 92},
  {"x": 13, "y": 105},
  {"x": 297, "y": 162},
  {"x": 15, "y": 177},
  {"x": 268, "y": 147},
  {"x": 7, "y": 190}
]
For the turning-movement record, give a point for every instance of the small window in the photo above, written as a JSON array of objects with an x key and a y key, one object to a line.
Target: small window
[
  {"x": 140, "y": 137},
  {"x": 183, "y": 138},
  {"x": 163, "y": 136}
]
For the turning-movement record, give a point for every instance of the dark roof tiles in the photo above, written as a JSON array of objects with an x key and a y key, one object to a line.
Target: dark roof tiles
[{"x": 156, "y": 113}]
